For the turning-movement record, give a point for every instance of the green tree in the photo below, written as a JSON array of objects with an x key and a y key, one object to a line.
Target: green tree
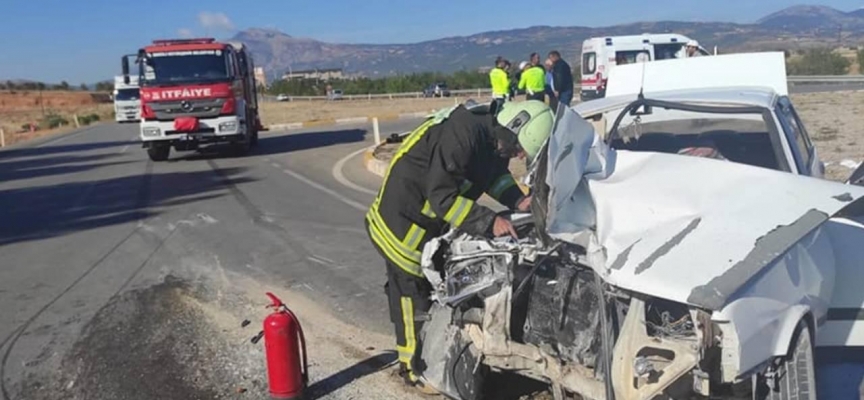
[
  {"x": 63, "y": 85},
  {"x": 11, "y": 85},
  {"x": 41, "y": 85},
  {"x": 83, "y": 87},
  {"x": 819, "y": 62},
  {"x": 104, "y": 86}
]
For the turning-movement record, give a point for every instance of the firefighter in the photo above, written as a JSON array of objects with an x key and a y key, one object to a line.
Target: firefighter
[
  {"x": 499, "y": 81},
  {"x": 432, "y": 183}
]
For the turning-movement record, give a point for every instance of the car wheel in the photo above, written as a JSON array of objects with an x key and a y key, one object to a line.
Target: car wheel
[
  {"x": 795, "y": 376},
  {"x": 158, "y": 152}
]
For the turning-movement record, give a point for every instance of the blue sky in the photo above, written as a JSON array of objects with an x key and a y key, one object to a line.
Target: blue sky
[{"x": 82, "y": 41}]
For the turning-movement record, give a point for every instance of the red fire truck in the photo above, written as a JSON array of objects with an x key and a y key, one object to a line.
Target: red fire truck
[{"x": 193, "y": 92}]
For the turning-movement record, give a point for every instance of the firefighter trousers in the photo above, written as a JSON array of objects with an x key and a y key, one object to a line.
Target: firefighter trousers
[{"x": 408, "y": 298}]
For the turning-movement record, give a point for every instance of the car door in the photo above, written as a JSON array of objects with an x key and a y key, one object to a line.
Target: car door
[{"x": 806, "y": 159}]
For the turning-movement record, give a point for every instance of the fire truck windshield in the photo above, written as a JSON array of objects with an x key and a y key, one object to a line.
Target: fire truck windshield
[{"x": 184, "y": 67}]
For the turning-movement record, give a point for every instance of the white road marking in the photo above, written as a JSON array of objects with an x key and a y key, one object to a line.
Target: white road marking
[
  {"x": 275, "y": 165},
  {"x": 316, "y": 261},
  {"x": 327, "y": 190},
  {"x": 58, "y": 140},
  {"x": 123, "y": 150},
  {"x": 340, "y": 177}
]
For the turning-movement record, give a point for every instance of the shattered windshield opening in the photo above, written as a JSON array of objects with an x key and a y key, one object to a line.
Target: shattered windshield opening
[{"x": 738, "y": 134}]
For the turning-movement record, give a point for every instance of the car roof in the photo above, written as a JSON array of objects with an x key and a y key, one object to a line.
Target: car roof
[{"x": 732, "y": 96}]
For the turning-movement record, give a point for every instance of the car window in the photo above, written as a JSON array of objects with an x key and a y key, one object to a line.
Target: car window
[
  {"x": 589, "y": 63},
  {"x": 798, "y": 139},
  {"x": 739, "y": 138}
]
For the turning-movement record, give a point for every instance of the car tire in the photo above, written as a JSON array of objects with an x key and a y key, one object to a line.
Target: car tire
[
  {"x": 796, "y": 372},
  {"x": 158, "y": 152}
]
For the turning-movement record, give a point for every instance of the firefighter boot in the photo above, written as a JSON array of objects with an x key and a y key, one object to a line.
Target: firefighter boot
[{"x": 418, "y": 383}]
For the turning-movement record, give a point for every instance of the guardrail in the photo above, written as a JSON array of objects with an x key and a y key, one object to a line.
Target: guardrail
[
  {"x": 827, "y": 79},
  {"x": 809, "y": 79}
]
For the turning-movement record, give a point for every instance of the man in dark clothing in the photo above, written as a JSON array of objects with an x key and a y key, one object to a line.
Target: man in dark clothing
[
  {"x": 562, "y": 79},
  {"x": 432, "y": 184}
]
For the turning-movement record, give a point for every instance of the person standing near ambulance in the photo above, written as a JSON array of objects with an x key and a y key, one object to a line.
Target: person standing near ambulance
[
  {"x": 432, "y": 185},
  {"x": 533, "y": 79},
  {"x": 499, "y": 81},
  {"x": 562, "y": 78}
]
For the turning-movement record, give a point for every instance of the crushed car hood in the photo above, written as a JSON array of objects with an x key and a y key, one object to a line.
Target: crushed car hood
[{"x": 688, "y": 229}]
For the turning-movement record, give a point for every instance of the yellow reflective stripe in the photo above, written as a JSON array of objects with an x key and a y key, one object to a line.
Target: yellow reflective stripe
[
  {"x": 427, "y": 210},
  {"x": 405, "y": 251},
  {"x": 410, "y": 266},
  {"x": 459, "y": 211},
  {"x": 404, "y": 355},
  {"x": 501, "y": 185},
  {"x": 412, "y": 139},
  {"x": 414, "y": 235},
  {"x": 408, "y": 322}
]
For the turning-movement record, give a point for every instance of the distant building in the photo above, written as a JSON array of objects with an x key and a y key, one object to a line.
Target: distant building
[
  {"x": 322, "y": 74},
  {"x": 260, "y": 77}
]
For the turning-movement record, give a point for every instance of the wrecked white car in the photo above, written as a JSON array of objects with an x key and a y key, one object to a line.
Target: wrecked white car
[{"x": 676, "y": 249}]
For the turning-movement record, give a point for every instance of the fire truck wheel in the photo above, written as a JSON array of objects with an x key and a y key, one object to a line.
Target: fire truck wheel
[
  {"x": 158, "y": 152},
  {"x": 254, "y": 139}
]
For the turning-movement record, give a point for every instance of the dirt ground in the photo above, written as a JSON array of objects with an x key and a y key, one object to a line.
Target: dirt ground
[
  {"x": 185, "y": 335},
  {"x": 18, "y": 108},
  {"x": 299, "y": 111},
  {"x": 833, "y": 120}
]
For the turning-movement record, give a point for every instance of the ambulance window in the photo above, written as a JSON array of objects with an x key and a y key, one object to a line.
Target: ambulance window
[
  {"x": 589, "y": 63},
  {"x": 667, "y": 51},
  {"x": 631, "y": 57}
]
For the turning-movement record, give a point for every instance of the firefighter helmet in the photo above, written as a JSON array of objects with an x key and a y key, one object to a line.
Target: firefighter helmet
[{"x": 531, "y": 121}]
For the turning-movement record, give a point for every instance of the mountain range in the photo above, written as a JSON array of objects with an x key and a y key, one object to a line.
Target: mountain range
[{"x": 792, "y": 28}]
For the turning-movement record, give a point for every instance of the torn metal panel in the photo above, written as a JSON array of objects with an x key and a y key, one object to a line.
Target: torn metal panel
[
  {"x": 643, "y": 201},
  {"x": 774, "y": 244}
]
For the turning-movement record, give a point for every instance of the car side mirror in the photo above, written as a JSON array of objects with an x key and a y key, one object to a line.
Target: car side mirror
[{"x": 857, "y": 177}]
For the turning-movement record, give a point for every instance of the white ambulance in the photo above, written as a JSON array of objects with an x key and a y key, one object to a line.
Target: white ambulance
[{"x": 601, "y": 54}]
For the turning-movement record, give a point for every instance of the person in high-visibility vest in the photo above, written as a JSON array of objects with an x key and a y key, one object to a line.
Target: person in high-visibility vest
[
  {"x": 500, "y": 82},
  {"x": 533, "y": 81},
  {"x": 432, "y": 185}
]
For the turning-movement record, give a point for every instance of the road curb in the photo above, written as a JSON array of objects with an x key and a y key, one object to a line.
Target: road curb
[
  {"x": 374, "y": 165},
  {"x": 347, "y": 121}
]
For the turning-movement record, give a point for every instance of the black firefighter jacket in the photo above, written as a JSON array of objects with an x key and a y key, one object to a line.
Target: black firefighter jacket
[{"x": 433, "y": 181}]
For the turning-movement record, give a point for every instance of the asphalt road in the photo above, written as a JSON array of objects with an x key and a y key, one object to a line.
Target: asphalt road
[{"x": 88, "y": 216}]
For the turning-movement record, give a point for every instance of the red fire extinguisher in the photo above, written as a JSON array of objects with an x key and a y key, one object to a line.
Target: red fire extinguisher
[{"x": 287, "y": 372}]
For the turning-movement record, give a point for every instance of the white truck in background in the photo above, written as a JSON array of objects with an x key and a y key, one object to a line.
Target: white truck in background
[{"x": 127, "y": 100}]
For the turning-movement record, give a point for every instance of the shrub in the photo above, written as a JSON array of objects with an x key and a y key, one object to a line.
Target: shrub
[
  {"x": 819, "y": 62},
  {"x": 54, "y": 121}
]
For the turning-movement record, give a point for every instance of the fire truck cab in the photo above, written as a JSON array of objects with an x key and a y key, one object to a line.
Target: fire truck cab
[
  {"x": 601, "y": 54},
  {"x": 193, "y": 92}
]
